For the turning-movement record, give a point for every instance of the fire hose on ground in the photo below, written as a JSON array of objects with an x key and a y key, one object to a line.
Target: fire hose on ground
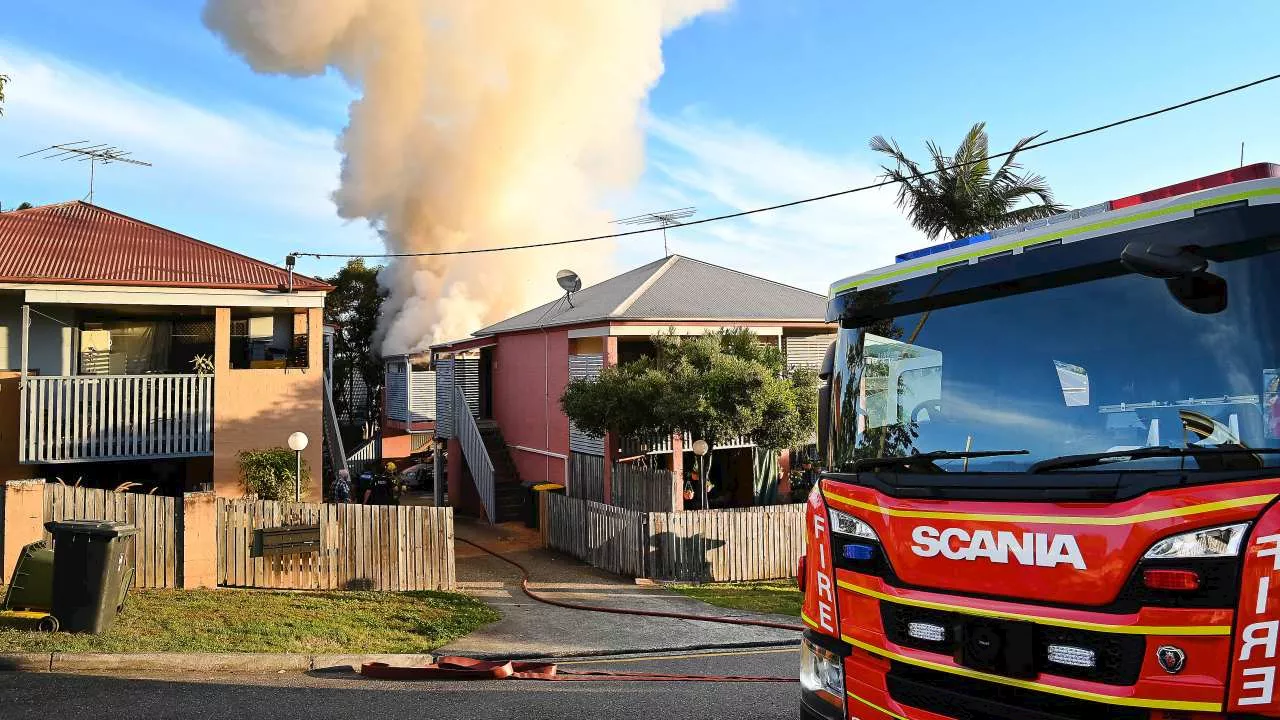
[{"x": 462, "y": 668}]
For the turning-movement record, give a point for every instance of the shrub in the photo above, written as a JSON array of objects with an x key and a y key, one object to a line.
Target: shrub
[{"x": 268, "y": 473}]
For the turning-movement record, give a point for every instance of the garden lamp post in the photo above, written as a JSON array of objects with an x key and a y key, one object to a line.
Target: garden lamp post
[
  {"x": 700, "y": 448},
  {"x": 298, "y": 443}
]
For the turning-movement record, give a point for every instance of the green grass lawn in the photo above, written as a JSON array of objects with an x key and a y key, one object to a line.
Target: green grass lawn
[
  {"x": 265, "y": 621},
  {"x": 777, "y": 597}
]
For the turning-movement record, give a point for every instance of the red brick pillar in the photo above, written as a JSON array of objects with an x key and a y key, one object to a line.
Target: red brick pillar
[
  {"x": 199, "y": 540},
  {"x": 23, "y": 521}
]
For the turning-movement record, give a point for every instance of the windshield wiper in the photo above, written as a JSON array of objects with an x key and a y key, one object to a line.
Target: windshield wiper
[
  {"x": 908, "y": 462},
  {"x": 1066, "y": 462}
]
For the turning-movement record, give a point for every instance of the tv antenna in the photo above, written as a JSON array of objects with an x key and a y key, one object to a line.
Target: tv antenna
[
  {"x": 83, "y": 151},
  {"x": 569, "y": 282},
  {"x": 664, "y": 219}
]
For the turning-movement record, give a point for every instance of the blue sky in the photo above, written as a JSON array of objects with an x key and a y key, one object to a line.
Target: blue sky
[{"x": 762, "y": 103}]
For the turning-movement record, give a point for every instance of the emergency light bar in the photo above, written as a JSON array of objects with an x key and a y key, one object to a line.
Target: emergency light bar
[{"x": 1256, "y": 171}]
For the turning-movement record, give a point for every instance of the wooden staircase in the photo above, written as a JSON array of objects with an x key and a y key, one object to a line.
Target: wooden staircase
[{"x": 507, "y": 491}]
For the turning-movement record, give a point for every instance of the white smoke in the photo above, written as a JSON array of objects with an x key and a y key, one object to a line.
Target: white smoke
[{"x": 480, "y": 123}]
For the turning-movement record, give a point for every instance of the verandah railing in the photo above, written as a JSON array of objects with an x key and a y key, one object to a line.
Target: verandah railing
[{"x": 115, "y": 417}]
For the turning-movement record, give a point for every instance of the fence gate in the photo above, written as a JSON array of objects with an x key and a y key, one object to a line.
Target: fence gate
[{"x": 359, "y": 547}]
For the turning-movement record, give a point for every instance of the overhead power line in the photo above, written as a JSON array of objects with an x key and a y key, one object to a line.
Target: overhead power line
[{"x": 815, "y": 198}]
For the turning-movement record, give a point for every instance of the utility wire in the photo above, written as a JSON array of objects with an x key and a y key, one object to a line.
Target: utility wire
[{"x": 815, "y": 198}]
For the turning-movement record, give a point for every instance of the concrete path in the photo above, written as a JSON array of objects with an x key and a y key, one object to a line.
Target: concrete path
[{"x": 532, "y": 629}]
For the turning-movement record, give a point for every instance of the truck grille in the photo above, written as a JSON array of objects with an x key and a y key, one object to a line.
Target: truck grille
[
  {"x": 967, "y": 699},
  {"x": 1117, "y": 658}
]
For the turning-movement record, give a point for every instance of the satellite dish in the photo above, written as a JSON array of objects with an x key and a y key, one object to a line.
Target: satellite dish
[{"x": 569, "y": 281}]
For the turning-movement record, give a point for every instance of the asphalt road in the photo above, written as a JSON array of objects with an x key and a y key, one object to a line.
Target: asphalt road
[{"x": 68, "y": 697}]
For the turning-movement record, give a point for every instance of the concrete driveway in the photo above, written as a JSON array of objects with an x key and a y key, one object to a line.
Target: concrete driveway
[{"x": 532, "y": 629}]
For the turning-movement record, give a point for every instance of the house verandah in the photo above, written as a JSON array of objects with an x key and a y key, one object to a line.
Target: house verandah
[
  {"x": 134, "y": 354},
  {"x": 108, "y": 392}
]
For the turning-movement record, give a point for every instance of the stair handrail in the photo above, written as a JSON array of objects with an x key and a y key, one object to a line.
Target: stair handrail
[
  {"x": 474, "y": 451},
  {"x": 333, "y": 433}
]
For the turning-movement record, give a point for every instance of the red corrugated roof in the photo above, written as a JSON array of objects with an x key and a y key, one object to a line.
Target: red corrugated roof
[{"x": 75, "y": 242}]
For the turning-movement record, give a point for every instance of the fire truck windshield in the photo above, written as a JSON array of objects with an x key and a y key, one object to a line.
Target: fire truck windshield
[{"x": 1104, "y": 365}]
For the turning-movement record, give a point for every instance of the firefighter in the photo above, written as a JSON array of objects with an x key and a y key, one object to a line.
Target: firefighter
[{"x": 383, "y": 489}]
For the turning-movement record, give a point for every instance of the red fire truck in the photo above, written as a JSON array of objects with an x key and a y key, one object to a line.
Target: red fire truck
[{"x": 1053, "y": 464}]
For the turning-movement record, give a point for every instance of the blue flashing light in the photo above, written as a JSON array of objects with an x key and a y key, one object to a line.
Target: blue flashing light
[
  {"x": 854, "y": 551},
  {"x": 942, "y": 247}
]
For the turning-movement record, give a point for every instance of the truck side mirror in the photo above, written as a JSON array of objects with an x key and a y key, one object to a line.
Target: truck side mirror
[
  {"x": 828, "y": 363},
  {"x": 824, "y": 422},
  {"x": 824, "y": 402}
]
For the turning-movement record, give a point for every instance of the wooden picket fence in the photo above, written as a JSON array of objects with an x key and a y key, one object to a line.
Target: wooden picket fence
[
  {"x": 586, "y": 477},
  {"x": 759, "y": 543},
  {"x": 634, "y": 487},
  {"x": 643, "y": 489},
  {"x": 155, "y": 550},
  {"x": 362, "y": 547}
]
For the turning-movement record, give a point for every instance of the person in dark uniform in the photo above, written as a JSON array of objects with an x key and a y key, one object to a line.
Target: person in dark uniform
[
  {"x": 363, "y": 484},
  {"x": 383, "y": 489}
]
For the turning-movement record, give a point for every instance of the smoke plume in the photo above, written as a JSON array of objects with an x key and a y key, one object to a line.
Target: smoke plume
[{"x": 478, "y": 123}]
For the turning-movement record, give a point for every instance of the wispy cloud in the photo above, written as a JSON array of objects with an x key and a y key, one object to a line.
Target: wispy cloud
[
  {"x": 239, "y": 176},
  {"x": 724, "y": 167}
]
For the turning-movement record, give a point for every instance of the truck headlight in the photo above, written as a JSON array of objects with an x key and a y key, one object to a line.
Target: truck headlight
[
  {"x": 822, "y": 676},
  {"x": 1221, "y": 541},
  {"x": 842, "y": 523}
]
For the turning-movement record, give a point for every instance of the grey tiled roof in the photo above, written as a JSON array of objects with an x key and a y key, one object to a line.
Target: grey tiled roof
[
  {"x": 696, "y": 290},
  {"x": 674, "y": 288}
]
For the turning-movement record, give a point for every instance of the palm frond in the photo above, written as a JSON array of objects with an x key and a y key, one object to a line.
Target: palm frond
[
  {"x": 960, "y": 196},
  {"x": 1010, "y": 163}
]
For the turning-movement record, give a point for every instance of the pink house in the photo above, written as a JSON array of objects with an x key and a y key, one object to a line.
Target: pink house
[{"x": 509, "y": 376}]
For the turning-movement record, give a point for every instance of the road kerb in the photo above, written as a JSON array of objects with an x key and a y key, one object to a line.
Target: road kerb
[
  {"x": 344, "y": 663},
  {"x": 181, "y": 662},
  {"x": 202, "y": 662},
  {"x": 27, "y": 662}
]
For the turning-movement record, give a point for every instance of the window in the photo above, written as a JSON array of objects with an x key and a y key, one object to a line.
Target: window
[
  {"x": 265, "y": 339},
  {"x": 1102, "y": 365},
  {"x": 141, "y": 346}
]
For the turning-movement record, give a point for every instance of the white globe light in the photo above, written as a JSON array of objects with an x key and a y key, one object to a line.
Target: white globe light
[
  {"x": 298, "y": 441},
  {"x": 700, "y": 447}
]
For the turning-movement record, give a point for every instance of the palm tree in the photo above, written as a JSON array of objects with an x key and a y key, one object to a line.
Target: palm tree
[
  {"x": 3, "y": 79},
  {"x": 961, "y": 196}
]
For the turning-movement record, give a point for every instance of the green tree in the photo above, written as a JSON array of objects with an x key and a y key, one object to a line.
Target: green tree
[
  {"x": 354, "y": 305},
  {"x": 269, "y": 473},
  {"x": 716, "y": 386},
  {"x": 4, "y": 80},
  {"x": 964, "y": 196}
]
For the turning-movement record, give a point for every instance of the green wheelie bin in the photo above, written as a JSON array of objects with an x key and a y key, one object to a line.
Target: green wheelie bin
[
  {"x": 92, "y": 571},
  {"x": 28, "y": 601},
  {"x": 31, "y": 585}
]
